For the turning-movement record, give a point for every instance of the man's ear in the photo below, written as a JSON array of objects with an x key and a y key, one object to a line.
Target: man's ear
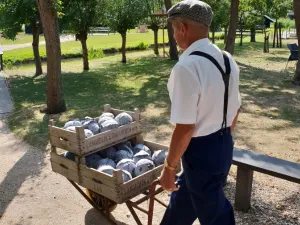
[{"x": 183, "y": 28}]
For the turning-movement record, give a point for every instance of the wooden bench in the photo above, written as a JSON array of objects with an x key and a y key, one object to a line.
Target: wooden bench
[
  {"x": 247, "y": 162},
  {"x": 100, "y": 30}
]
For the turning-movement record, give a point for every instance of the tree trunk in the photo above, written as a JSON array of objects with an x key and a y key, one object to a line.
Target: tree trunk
[
  {"x": 266, "y": 42},
  {"x": 55, "y": 98},
  {"x": 277, "y": 36},
  {"x": 225, "y": 34},
  {"x": 275, "y": 30},
  {"x": 241, "y": 38},
  {"x": 213, "y": 37},
  {"x": 155, "y": 30},
  {"x": 280, "y": 36},
  {"x": 232, "y": 27},
  {"x": 36, "y": 28},
  {"x": 172, "y": 43},
  {"x": 253, "y": 34},
  {"x": 296, "y": 79},
  {"x": 124, "y": 47},
  {"x": 85, "y": 54}
]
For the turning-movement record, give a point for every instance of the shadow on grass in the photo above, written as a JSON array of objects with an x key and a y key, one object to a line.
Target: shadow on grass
[
  {"x": 138, "y": 84},
  {"x": 134, "y": 85},
  {"x": 271, "y": 91}
]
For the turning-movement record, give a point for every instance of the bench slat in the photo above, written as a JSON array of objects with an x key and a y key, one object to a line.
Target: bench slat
[{"x": 266, "y": 164}]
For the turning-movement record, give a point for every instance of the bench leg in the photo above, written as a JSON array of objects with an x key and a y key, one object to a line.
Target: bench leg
[{"x": 243, "y": 188}]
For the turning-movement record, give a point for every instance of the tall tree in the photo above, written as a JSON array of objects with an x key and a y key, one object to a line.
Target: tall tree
[
  {"x": 15, "y": 13},
  {"x": 257, "y": 10},
  {"x": 243, "y": 14},
  {"x": 296, "y": 79},
  {"x": 79, "y": 17},
  {"x": 48, "y": 13},
  {"x": 122, "y": 15},
  {"x": 221, "y": 11},
  {"x": 230, "y": 42},
  {"x": 154, "y": 6},
  {"x": 277, "y": 9},
  {"x": 173, "y": 46}
]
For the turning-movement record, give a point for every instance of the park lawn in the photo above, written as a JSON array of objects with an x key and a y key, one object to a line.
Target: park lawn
[
  {"x": 269, "y": 122},
  {"x": 94, "y": 42},
  {"x": 21, "y": 38}
]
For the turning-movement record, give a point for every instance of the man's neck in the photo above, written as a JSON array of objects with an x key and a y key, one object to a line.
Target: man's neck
[{"x": 194, "y": 39}]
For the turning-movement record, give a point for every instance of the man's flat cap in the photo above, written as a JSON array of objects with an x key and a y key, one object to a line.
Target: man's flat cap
[{"x": 192, "y": 9}]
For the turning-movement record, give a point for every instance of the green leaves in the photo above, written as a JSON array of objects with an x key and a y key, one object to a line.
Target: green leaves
[
  {"x": 221, "y": 9},
  {"x": 15, "y": 13},
  {"x": 122, "y": 15}
]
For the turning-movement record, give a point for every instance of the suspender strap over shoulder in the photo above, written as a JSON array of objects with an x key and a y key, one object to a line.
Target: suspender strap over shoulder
[{"x": 225, "y": 76}]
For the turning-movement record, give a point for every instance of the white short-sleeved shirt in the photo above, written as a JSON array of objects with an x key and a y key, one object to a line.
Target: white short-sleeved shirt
[
  {"x": 1, "y": 50},
  {"x": 196, "y": 90}
]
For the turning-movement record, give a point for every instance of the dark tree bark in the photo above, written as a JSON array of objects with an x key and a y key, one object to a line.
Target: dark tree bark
[
  {"x": 253, "y": 34},
  {"x": 213, "y": 37},
  {"x": 36, "y": 28},
  {"x": 85, "y": 54},
  {"x": 266, "y": 42},
  {"x": 173, "y": 45},
  {"x": 225, "y": 34},
  {"x": 155, "y": 29},
  {"x": 55, "y": 98},
  {"x": 124, "y": 47},
  {"x": 296, "y": 79},
  {"x": 275, "y": 31},
  {"x": 280, "y": 36},
  {"x": 241, "y": 36},
  {"x": 230, "y": 42},
  {"x": 277, "y": 36}
]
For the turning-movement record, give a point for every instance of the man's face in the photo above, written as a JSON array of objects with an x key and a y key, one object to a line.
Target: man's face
[{"x": 180, "y": 34}]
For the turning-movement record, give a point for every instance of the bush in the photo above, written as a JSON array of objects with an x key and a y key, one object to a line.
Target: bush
[
  {"x": 287, "y": 23},
  {"x": 219, "y": 36},
  {"x": 95, "y": 53},
  {"x": 142, "y": 46}
]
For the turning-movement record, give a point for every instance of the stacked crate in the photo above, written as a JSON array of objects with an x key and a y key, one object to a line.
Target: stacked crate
[{"x": 112, "y": 187}]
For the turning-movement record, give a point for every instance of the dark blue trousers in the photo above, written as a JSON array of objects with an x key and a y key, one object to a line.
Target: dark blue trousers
[{"x": 205, "y": 164}]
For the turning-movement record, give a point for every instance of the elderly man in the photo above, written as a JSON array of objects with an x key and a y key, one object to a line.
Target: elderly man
[{"x": 205, "y": 103}]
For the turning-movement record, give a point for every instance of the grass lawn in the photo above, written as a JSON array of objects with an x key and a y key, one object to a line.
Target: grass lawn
[
  {"x": 94, "y": 41},
  {"x": 269, "y": 122},
  {"x": 21, "y": 38}
]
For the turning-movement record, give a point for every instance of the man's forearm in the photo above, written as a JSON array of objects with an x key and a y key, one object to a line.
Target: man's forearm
[
  {"x": 180, "y": 140},
  {"x": 235, "y": 121}
]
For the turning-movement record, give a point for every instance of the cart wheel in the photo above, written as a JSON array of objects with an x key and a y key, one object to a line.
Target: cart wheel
[{"x": 98, "y": 200}]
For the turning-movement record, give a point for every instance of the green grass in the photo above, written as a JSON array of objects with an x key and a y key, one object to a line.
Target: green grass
[
  {"x": 73, "y": 48},
  {"x": 21, "y": 38},
  {"x": 93, "y": 42},
  {"x": 135, "y": 84},
  {"x": 142, "y": 83}
]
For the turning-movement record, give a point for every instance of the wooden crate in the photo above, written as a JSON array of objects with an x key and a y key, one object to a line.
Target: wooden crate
[
  {"x": 80, "y": 145},
  {"x": 65, "y": 167},
  {"x": 112, "y": 187}
]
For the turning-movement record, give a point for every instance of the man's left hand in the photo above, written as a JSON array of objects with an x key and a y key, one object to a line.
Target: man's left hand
[{"x": 167, "y": 180}]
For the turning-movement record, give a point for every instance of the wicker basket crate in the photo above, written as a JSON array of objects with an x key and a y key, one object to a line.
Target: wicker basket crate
[
  {"x": 111, "y": 187},
  {"x": 80, "y": 145}
]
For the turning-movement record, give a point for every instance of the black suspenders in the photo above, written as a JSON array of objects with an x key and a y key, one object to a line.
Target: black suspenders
[{"x": 226, "y": 77}]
